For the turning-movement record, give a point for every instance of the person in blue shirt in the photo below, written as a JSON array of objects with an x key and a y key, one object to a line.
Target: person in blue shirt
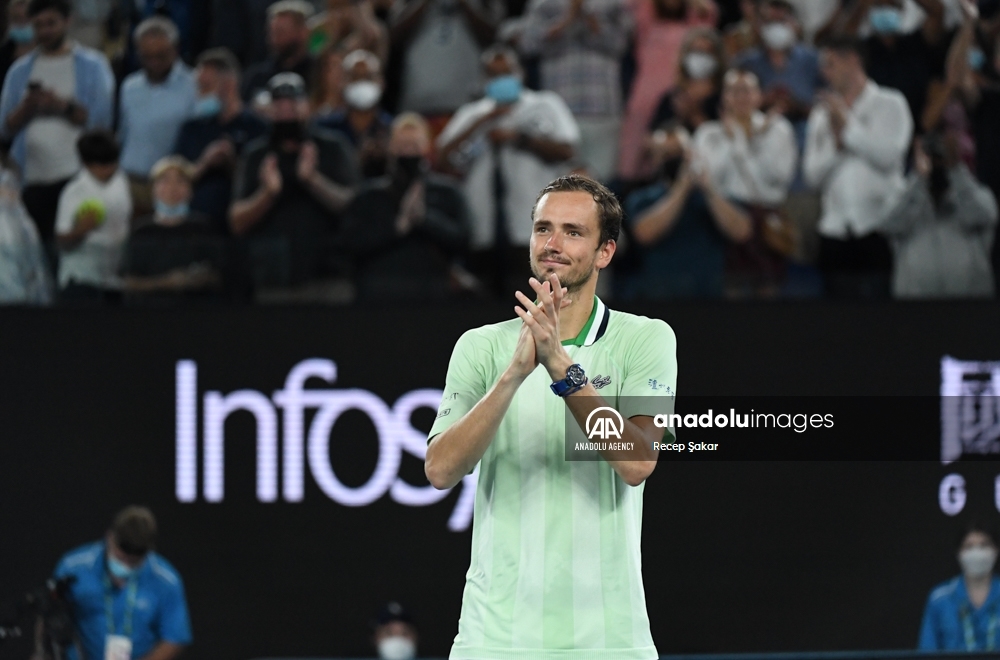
[
  {"x": 126, "y": 598},
  {"x": 963, "y": 614}
]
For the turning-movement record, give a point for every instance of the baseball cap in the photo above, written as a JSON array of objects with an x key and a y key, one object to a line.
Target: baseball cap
[
  {"x": 392, "y": 611},
  {"x": 286, "y": 86}
]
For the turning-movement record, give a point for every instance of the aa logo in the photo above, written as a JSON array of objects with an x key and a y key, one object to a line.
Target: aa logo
[{"x": 604, "y": 428}]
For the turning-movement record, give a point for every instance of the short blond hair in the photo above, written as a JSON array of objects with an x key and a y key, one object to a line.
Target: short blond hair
[
  {"x": 300, "y": 8},
  {"x": 167, "y": 163},
  {"x": 411, "y": 120}
]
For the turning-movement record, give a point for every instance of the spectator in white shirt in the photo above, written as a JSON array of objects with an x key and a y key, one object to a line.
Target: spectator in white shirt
[
  {"x": 92, "y": 222},
  {"x": 510, "y": 144},
  {"x": 856, "y": 144},
  {"x": 750, "y": 158},
  {"x": 154, "y": 103}
]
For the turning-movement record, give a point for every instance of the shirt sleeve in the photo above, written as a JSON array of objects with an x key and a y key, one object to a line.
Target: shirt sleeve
[
  {"x": 928, "y": 630},
  {"x": 175, "y": 624},
  {"x": 650, "y": 371},
  {"x": 565, "y": 129},
  {"x": 466, "y": 383},
  {"x": 66, "y": 210},
  {"x": 821, "y": 149},
  {"x": 882, "y": 136}
]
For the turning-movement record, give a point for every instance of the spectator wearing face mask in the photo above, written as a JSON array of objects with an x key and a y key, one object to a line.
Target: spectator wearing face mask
[
  {"x": 942, "y": 227},
  {"x": 20, "y": 36},
  {"x": 290, "y": 190},
  {"x": 395, "y": 635},
  {"x": 153, "y": 105},
  {"x": 406, "y": 228},
  {"x": 580, "y": 45},
  {"x": 174, "y": 250},
  {"x": 788, "y": 71},
  {"x": 509, "y": 145},
  {"x": 693, "y": 101},
  {"x": 907, "y": 62},
  {"x": 963, "y": 614},
  {"x": 214, "y": 138},
  {"x": 856, "y": 145},
  {"x": 364, "y": 123},
  {"x": 288, "y": 49},
  {"x": 661, "y": 29}
]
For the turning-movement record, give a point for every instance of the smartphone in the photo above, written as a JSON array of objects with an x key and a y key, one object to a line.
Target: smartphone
[{"x": 34, "y": 86}]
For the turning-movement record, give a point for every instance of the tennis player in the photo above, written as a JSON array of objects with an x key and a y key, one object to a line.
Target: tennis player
[{"x": 556, "y": 569}]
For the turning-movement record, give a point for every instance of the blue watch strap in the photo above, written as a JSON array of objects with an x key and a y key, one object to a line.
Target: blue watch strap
[{"x": 566, "y": 387}]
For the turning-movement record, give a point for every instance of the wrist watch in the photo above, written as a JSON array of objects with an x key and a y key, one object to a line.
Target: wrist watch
[{"x": 574, "y": 381}]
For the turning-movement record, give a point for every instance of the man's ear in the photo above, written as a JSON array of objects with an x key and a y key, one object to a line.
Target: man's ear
[{"x": 605, "y": 253}]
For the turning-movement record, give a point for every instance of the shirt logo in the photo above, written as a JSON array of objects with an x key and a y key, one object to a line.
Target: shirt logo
[
  {"x": 600, "y": 381},
  {"x": 444, "y": 413}
]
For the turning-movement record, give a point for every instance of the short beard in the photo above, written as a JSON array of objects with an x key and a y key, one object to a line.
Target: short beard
[{"x": 572, "y": 286}]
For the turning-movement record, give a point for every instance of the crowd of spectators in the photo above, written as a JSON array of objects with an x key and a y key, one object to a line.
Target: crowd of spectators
[{"x": 392, "y": 149}]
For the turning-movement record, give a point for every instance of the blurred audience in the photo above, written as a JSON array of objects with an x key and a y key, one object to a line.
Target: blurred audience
[
  {"x": 290, "y": 190},
  {"x": 348, "y": 25},
  {"x": 24, "y": 269},
  {"x": 942, "y": 227},
  {"x": 92, "y": 222},
  {"x": 214, "y": 138},
  {"x": 858, "y": 137},
  {"x": 509, "y": 145},
  {"x": 288, "y": 49},
  {"x": 580, "y": 45},
  {"x": 394, "y": 633},
  {"x": 20, "y": 37},
  {"x": 661, "y": 28},
  {"x": 406, "y": 229},
  {"x": 751, "y": 158},
  {"x": 363, "y": 122},
  {"x": 175, "y": 249},
  {"x": 153, "y": 105},
  {"x": 961, "y": 614},
  {"x": 683, "y": 225},
  {"x": 440, "y": 43},
  {"x": 49, "y": 97},
  {"x": 742, "y": 35},
  {"x": 327, "y": 94}
]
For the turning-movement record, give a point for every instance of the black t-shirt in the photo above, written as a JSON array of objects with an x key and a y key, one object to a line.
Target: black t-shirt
[
  {"x": 290, "y": 242},
  {"x": 665, "y": 111},
  {"x": 154, "y": 249},
  {"x": 986, "y": 127},
  {"x": 908, "y": 65},
  {"x": 255, "y": 78},
  {"x": 212, "y": 193}
]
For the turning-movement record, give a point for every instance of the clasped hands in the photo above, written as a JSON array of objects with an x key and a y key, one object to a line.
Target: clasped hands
[{"x": 539, "y": 342}]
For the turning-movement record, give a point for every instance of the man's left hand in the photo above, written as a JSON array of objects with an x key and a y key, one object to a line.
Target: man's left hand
[
  {"x": 543, "y": 321},
  {"x": 308, "y": 160}
]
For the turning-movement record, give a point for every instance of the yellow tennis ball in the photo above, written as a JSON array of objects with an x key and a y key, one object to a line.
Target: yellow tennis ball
[{"x": 93, "y": 207}]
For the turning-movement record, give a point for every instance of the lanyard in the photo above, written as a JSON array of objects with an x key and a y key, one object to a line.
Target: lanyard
[
  {"x": 109, "y": 611},
  {"x": 970, "y": 634}
]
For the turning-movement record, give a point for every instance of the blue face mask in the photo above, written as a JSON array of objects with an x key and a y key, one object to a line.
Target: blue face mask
[
  {"x": 121, "y": 570},
  {"x": 977, "y": 58},
  {"x": 504, "y": 89},
  {"x": 21, "y": 34},
  {"x": 165, "y": 210},
  {"x": 207, "y": 106},
  {"x": 885, "y": 20}
]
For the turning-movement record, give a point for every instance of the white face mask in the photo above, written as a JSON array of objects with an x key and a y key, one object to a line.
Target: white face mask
[
  {"x": 977, "y": 562},
  {"x": 699, "y": 65},
  {"x": 397, "y": 648},
  {"x": 363, "y": 94},
  {"x": 778, "y": 36}
]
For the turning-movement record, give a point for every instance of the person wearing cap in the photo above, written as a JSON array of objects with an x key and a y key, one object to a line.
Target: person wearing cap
[
  {"x": 288, "y": 45},
  {"x": 364, "y": 122},
  {"x": 395, "y": 635},
  {"x": 126, "y": 599},
  {"x": 290, "y": 189},
  {"x": 221, "y": 127},
  {"x": 175, "y": 249}
]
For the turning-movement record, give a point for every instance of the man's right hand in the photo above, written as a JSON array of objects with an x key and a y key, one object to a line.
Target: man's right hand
[
  {"x": 524, "y": 360},
  {"x": 270, "y": 175},
  {"x": 220, "y": 153}
]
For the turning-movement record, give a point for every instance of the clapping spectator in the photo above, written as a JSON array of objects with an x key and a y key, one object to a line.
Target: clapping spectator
[
  {"x": 216, "y": 135},
  {"x": 661, "y": 27},
  {"x": 750, "y": 158},
  {"x": 153, "y": 105},
  {"x": 509, "y": 144},
  {"x": 580, "y": 45},
  {"x": 288, "y": 48},
  {"x": 175, "y": 249},
  {"x": 441, "y": 42},
  {"x": 683, "y": 226},
  {"x": 348, "y": 25},
  {"x": 405, "y": 229},
  {"x": 290, "y": 189},
  {"x": 49, "y": 97},
  {"x": 858, "y": 136},
  {"x": 942, "y": 227},
  {"x": 364, "y": 123},
  {"x": 93, "y": 222}
]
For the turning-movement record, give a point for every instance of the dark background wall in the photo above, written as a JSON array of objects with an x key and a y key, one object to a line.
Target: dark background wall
[{"x": 739, "y": 556}]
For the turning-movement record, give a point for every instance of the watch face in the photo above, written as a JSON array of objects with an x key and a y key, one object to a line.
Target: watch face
[{"x": 575, "y": 375}]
